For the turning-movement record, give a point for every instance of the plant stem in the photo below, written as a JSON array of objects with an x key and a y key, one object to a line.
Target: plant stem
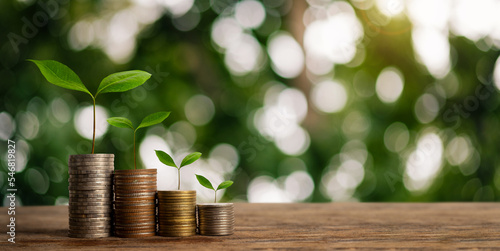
[
  {"x": 179, "y": 179},
  {"x": 93, "y": 132},
  {"x": 215, "y": 199},
  {"x": 135, "y": 162}
]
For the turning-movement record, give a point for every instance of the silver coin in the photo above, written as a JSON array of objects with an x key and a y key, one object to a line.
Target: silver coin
[
  {"x": 89, "y": 215},
  {"x": 97, "y": 159},
  {"x": 89, "y": 173},
  {"x": 74, "y": 206},
  {"x": 89, "y": 231},
  {"x": 90, "y": 179},
  {"x": 216, "y": 215},
  {"x": 88, "y": 211},
  {"x": 215, "y": 205},
  {"x": 136, "y": 181},
  {"x": 216, "y": 222},
  {"x": 103, "y": 220},
  {"x": 89, "y": 226},
  {"x": 89, "y": 188},
  {"x": 104, "y": 203},
  {"x": 142, "y": 204},
  {"x": 83, "y": 190},
  {"x": 84, "y": 163},
  {"x": 87, "y": 197},
  {"x": 92, "y": 155},
  {"x": 92, "y": 183},
  {"x": 100, "y": 235},
  {"x": 119, "y": 194}
]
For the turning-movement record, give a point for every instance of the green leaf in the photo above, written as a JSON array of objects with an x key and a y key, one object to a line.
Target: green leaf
[
  {"x": 204, "y": 182},
  {"x": 190, "y": 158},
  {"x": 60, "y": 75},
  {"x": 153, "y": 119},
  {"x": 225, "y": 184},
  {"x": 122, "y": 81},
  {"x": 120, "y": 122},
  {"x": 165, "y": 158}
]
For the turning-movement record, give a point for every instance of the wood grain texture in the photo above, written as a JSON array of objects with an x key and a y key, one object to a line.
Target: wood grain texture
[{"x": 295, "y": 226}]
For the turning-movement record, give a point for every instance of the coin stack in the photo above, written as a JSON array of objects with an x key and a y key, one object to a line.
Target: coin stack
[
  {"x": 90, "y": 195},
  {"x": 177, "y": 213},
  {"x": 135, "y": 203},
  {"x": 216, "y": 218}
]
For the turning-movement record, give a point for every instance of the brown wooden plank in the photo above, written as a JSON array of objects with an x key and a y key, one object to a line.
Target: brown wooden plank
[{"x": 296, "y": 226}]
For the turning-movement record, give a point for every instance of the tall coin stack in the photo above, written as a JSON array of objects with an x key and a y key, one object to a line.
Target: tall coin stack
[
  {"x": 216, "y": 218},
  {"x": 90, "y": 195},
  {"x": 135, "y": 203},
  {"x": 177, "y": 213}
]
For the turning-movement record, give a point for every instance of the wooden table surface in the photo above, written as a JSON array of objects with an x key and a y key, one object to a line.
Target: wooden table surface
[{"x": 294, "y": 226}]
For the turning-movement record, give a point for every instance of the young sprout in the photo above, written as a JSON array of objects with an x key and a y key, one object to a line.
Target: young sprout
[
  {"x": 167, "y": 160},
  {"x": 150, "y": 120},
  {"x": 206, "y": 183},
  {"x": 61, "y": 75}
]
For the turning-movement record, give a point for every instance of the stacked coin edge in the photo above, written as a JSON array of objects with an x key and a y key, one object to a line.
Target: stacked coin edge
[
  {"x": 135, "y": 203},
  {"x": 90, "y": 195},
  {"x": 177, "y": 213},
  {"x": 215, "y": 218}
]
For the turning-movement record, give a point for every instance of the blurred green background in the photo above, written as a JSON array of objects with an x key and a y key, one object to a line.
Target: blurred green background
[{"x": 296, "y": 101}]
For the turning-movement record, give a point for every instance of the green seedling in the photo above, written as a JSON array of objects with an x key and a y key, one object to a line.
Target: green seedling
[
  {"x": 167, "y": 160},
  {"x": 206, "y": 183},
  {"x": 61, "y": 75},
  {"x": 150, "y": 120}
]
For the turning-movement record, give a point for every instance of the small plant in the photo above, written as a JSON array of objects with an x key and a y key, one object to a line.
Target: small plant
[
  {"x": 206, "y": 183},
  {"x": 167, "y": 160},
  {"x": 150, "y": 120},
  {"x": 61, "y": 75}
]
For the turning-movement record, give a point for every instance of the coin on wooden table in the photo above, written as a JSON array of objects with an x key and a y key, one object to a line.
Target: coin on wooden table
[
  {"x": 90, "y": 211},
  {"x": 87, "y": 227},
  {"x": 216, "y": 218},
  {"x": 90, "y": 221},
  {"x": 89, "y": 203},
  {"x": 134, "y": 235},
  {"x": 89, "y": 188},
  {"x": 176, "y": 213},
  {"x": 90, "y": 176},
  {"x": 93, "y": 155},
  {"x": 84, "y": 179},
  {"x": 89, "y": 235},
  {"x": 89, "y": 215},
  {"x": 187, "y": 233},
  {"x": 90, "y": 173},
  {"x": 87, "y": 165}
]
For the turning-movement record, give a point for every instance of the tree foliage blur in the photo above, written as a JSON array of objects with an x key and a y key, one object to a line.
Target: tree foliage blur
[{"x": 312, "y": 100}]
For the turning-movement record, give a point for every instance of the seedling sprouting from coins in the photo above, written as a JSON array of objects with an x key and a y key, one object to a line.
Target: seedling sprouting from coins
[
  {"x": 149, "y": 120},
  {"x": 61, "y": 75},
  {"x": 167, "y": 160},
  {"x": 206, "y": 183}
]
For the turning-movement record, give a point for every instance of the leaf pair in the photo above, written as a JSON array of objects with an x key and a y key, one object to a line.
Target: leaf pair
[
  {"x": 61, "y": 75},
  {"x": 167, "y": 160},
  {"x": 206, "y": 183},
  {"x": 149, "y": 120}
]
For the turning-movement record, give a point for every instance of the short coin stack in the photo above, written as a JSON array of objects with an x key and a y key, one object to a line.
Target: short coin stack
[
  {"x": 90, "y": 195},
  {"x": 216, "y": 218},
  {"x": 177, "y": 213},
  {"x": 135, "y": 203}
]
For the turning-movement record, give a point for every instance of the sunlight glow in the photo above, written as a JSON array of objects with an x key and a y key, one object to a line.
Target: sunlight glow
[
  {"x": 84, "y": 121},
  {"x": 286, "y": 55},
  {"x": 424, "y": 163},
  {"x": 250, "y": 14},
  {"x": 329, "y": 96},
  {"x": 390, "y": 84}
]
